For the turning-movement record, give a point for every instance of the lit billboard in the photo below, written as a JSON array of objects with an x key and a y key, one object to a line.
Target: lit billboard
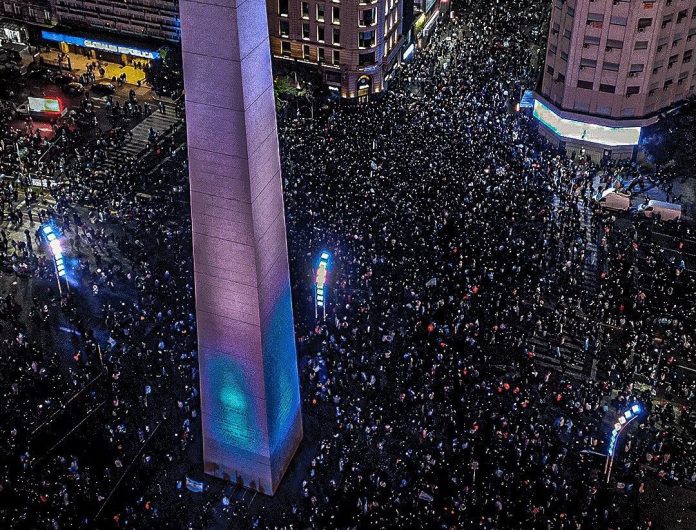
[
  {"x": 589, "y": 132},
  {"x": 45, "y": 105}
]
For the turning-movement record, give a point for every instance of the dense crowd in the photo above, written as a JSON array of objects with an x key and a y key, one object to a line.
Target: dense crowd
[{"x": 486, "y": 322}]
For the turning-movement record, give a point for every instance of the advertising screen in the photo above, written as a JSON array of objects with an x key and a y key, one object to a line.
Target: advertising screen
[
  {"x": 44, "y": 105},
  {"x": 590, "y": 132}
]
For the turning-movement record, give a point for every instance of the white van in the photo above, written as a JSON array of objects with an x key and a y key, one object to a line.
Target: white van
[
  {"x": 666, "y": 211},
  {"x": 614, "y": 200}
]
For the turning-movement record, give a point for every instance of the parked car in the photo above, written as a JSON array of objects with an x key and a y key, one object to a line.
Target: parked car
[
  {"x": 63, "y": 78},
  {"x": 103, "y": 88},
  {"x": 73, "y": 89}
]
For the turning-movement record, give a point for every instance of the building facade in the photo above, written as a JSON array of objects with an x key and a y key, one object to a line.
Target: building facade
[
  {"x": 355, "y": 43},
  {"x": 19, "y": 17},
  {"x": 619, "y": 62},
  {"x": 146, "y": 19}
]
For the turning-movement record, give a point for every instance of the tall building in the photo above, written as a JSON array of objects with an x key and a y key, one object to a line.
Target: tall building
[
  {"x": 150, "y": 19},
  {"x": 355, "y": 43},
  {"x": 616, "y": 64},
  {"x": 250, "y": 395}
]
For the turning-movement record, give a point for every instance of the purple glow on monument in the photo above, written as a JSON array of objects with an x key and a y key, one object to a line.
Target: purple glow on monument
[{"x": 250, "y": 398}]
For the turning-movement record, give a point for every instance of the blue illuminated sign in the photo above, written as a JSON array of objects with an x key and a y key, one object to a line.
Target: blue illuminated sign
[{"x": 99, "y": 45}]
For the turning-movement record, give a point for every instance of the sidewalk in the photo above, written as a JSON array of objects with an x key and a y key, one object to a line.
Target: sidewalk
[{"x": 79, "y": 64}]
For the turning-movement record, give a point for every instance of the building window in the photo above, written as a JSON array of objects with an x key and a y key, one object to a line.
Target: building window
[
  {"x": 305, "y": 30},
  {"x": 285, "y": 49},
  {"x": 609, "y": 89},
  {"x": 305, "y": 10},
  {"x": 283, "y": 7},
  {"x": 306, "y": 52},
  {"x": 367, "y": 17},
  {"x": 636, "y": 69},
  {"x": 366, "y": 39},
  {"x": 320, "y": 55},
  {"x": 644, "y": 24},
  {"x": 595, "y": 20},
  {"x": 665, "y": 21},
  {"x": 681, "y": 16},
  {"x": 284, "y": 28},
  {"x": 641, "y": 45},
  {"x": 611, "y": 67},
  {"x": 687, "y": 56},
  {"x": 320, "y": 12},
  {"x": 549, "y": 69},
  {"x": 336, "y": 37},
  {"x": 588, "y": 63},
  {"x": 668, "y": 84},
  {"x": 336, "y": 57},
  {"x": 587, "y": 85},
  {"x": 366, "y": 58},
  {"x": 632, "y": 90},
  {"x": 336, "y": 15},
  {"x": 320, "y": 33}
]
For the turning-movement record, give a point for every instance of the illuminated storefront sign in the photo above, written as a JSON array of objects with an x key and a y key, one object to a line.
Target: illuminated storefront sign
[
  {"x": 99, "y": 45},
  {"x": 589, "y": 132}
]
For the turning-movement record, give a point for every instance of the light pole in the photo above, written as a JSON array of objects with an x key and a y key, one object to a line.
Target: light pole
[
  {"x": 622, "y": 422},
  {"x": 320, "y": 285},
  {"x": 57, "y": 252}
]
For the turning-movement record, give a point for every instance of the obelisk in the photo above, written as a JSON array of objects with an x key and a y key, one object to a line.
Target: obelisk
[{"x": 249, "y": 382}]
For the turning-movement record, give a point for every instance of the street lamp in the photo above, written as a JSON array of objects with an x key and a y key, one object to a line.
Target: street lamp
[
  {"x": 57, "y": 252},
  {"x": 622, "y": 422},
  {"x": 320, "y": 284}
]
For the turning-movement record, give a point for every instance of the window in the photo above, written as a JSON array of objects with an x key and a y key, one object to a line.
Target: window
[
  {"x": 644, "y": 23},
  {"x": 641, "y": 45},
  {"x": 672, "y": 61},
  {"x": 668, "y": 84},
  {"x": 336, "y": 37},
  {"x": 560, "y": 78},
  {"x": 320, "y": 12},
  {"x": 610, "y": 89},
  {"x": 613, "y": 44},
  {"x": 336, "y": 15},
  {"x": 320, "y": 55},
  {"x": 305, "y": 30},
  {"x": 285, "y": 49},
  {"x": 305, "y": 10},
  {"x": 585, "y": 84},
  {"x": 549, "y": 69},
  {"x": 564, "y": 56},
  {"x": 591, "y": 41},
  {"x": 687, "y": 56},
  {"x": 283, "y": 7},
  {"x": 665, "y": 21},
  {"x": 611, "y": 67},
  {"x": 368, "y": 17},
  {"x": 636, "y": 69},
  {"x": 284, "y": 28},
  {"x": 306, "y": 52},
  {"x": 619, "y": 21},
  {"x": 681, "y": 16},
  {"x": 632, "y": 90},
  {"x": 336, "y": 57},
  {"x": 366, "y": 39},
  {"x": 588, "y": 63},
  {"x": 595, "y": 20},
  {"x": 366, "y": 58},
  {"x": 320, "y": 33}
]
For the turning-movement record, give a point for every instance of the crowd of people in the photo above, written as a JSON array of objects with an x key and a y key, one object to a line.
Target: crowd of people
[{"x": 486, "y": 324}]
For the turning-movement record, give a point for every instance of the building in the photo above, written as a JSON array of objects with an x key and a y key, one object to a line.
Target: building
[
  {"x": 18, "y": 19},
  {"x": 144, "y": 19},
  {"x": 250, "y": 395},
  {"x": 354, "y": 43},
  {"x": 612, "y": 66}
]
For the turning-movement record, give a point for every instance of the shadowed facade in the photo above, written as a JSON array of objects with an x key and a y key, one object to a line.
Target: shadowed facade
[{"x": 248, "y": 365}]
